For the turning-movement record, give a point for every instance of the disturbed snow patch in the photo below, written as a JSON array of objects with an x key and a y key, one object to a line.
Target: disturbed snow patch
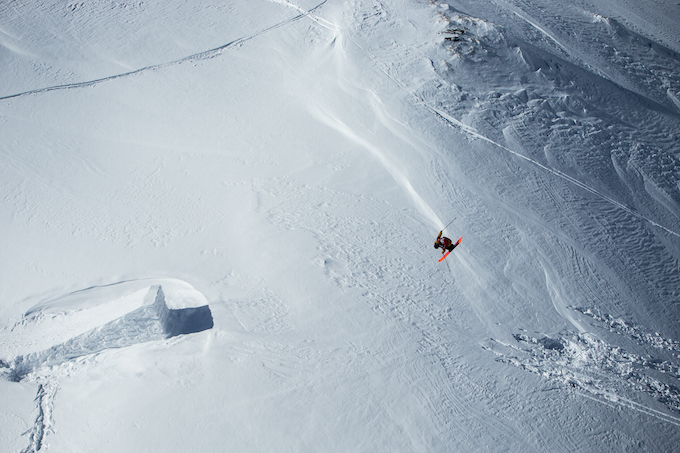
[{"x": 586, "y": 363}]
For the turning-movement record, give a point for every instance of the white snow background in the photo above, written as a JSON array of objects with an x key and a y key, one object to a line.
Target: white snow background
[{"x": 217, "y": 223}]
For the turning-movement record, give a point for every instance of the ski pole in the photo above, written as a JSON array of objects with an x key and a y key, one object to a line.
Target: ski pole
[{"x": 449, "y": 223}]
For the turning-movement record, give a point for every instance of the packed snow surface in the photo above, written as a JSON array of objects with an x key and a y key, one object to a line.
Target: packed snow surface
[{"x": 218, "y": 223}]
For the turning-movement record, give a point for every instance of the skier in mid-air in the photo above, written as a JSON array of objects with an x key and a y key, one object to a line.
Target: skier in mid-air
[{"x": 445, "y": 243}]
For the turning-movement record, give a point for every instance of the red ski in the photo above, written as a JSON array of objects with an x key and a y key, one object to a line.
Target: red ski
[{"x": 454, "y": 246}]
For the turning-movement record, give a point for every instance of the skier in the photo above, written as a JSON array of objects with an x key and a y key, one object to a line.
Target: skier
[{"x": 445, "y": 243}]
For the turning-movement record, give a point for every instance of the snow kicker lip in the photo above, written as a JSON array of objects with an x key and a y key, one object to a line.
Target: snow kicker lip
[{"x": 153, "y": 321}]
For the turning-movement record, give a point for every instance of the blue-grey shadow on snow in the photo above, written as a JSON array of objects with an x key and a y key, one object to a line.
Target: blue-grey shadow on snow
[
  {"x": 183, "y": 320},
  {"x": 153, "y": 321},
  {"x": 188, "y": 320}
]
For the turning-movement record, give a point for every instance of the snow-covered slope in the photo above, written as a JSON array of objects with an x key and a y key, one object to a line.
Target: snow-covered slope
[{"x": 218, "y": 224}]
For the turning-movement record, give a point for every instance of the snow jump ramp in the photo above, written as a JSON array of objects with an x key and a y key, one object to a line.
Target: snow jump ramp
[{"x": 152, "y": 319}]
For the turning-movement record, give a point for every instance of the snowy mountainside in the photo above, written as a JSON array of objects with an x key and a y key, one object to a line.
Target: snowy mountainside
[
  {"x": 219, "y": 221},
  {"x": 60, "y": 43}
]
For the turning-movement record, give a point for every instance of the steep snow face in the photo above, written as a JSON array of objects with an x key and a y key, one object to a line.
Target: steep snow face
[
  {"x": 218, "y": 224},
  {"x": 592, "y": 122}
]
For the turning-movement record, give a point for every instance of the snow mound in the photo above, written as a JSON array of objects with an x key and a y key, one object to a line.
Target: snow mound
[{"x": 144, "y": 315}]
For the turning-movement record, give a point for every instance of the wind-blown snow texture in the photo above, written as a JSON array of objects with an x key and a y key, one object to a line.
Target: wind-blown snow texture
[{"x": 218, "y": 222}]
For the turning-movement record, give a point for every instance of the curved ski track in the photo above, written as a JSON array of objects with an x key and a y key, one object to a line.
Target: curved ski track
[{"x": 194, "y": 57}]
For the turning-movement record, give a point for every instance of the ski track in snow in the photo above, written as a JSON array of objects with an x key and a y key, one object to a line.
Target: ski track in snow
[
  {"x": 195, "y": 57},
  {"x": 471, "y": 131},
  {"x": 47, "y": 390}
]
